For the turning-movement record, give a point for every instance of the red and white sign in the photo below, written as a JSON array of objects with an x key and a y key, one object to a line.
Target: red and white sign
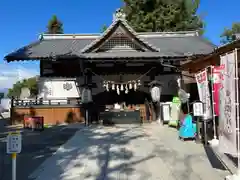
[
  {"x": 204, "y": 93},
  {"x": 217, "y": 77}
]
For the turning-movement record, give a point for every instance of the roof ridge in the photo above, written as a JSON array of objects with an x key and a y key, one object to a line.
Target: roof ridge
[
  {"x": 183, "y": 33},
  {"x": 97, "y": 35}
]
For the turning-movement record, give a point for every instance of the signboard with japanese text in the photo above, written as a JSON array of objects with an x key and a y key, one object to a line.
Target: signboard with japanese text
[
  {"x": 198, "y": 109},
  {"x": 227, "y": 106},
  {"x": 204, "y": 93}
]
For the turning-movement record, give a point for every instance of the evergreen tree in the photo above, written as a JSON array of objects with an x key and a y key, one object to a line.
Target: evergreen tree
[
  {"x": 163, "y": 15},
  {"x": 30, "y": 83},
  {"x": 104, "y": 28},
  {"x": 55, "y": 26},
  {"x": 229, "y": 34}
]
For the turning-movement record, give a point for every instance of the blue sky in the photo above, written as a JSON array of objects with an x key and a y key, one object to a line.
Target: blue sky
[{"x": 22, "y": 21}]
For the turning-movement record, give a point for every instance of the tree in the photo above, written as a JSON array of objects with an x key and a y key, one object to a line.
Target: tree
[
  {"x": 229, "y": 34},
  {"x": 30, "y": 83},
  {"x": 55, "y": 26},
  {"x": 104, "y": 28},
  {"x": 163, "y": 15}
]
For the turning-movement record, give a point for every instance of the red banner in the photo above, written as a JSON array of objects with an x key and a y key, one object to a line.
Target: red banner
[
  {"x": 217, "y": 75},
  {"x": 201, "y": 77}
]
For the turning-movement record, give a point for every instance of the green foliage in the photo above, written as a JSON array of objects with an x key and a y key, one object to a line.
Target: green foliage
[
  {"x": 55, "y": 26},
  {"x": 228, "y": 34},
  {"x": 163, "y": 15},
  {"x": 104, "y": 28},
  {"x": 30, "y": 83}
]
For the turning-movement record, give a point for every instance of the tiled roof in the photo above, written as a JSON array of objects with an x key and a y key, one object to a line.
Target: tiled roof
[{"x": 174, "y": 44}]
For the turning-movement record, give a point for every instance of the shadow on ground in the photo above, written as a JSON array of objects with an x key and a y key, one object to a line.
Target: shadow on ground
[
  {"x": 214, "y": 159},
  {"x": 99, "y": 147},
  {"x": 36, "y": 147},
  {"x": 96, "y": 146}
]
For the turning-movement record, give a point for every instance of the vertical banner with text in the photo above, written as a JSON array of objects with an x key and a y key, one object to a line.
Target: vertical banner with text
[
  {"x": 227, "y": 106},
  {"x": 204, "y": 93},
  {"x": 217, "y": 72}
]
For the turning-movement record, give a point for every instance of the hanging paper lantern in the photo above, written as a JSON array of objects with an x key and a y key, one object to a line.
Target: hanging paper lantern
[
  {"x": 122, "y": 87},
  {"x": 118, "y": 91},
  {"x": 155, "y": 93},
  {"x": 113, "y": 86},
  {"x": 86, "y": 95}
]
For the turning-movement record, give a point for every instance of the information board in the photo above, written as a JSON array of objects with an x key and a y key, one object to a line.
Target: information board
[
  {"x": 197, "y": 109},
  {"x": 14, "y": 142}
]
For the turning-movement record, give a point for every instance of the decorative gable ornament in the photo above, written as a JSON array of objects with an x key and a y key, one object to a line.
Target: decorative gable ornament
[
  {"x": 119, "y": 14},
  {"x": 120, "y": 31}
]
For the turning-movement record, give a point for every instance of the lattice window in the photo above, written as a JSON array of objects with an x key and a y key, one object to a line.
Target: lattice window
[{"x": 120, "y": 43}]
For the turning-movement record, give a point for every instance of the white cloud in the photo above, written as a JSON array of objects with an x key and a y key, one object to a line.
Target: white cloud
[{"x": 10, "y": 74}]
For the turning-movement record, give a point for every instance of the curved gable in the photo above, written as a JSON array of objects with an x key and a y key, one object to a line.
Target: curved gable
[{"x": 122, "y": 37}]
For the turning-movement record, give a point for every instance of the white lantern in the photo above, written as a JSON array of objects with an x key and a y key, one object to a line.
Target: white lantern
[
  {"x": 155, "y": 94},
  {"x": 86, "y": 95}
]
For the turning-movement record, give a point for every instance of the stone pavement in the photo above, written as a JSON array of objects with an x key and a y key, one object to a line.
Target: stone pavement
[{"x": 148, "y": 152}]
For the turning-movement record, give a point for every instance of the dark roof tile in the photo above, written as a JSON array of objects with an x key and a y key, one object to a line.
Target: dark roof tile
[{"x": 169, "y": 46}]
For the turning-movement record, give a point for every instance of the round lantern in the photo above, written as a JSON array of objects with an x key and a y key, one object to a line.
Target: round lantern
[
  {"x": 155, "y": 93},
  {"x": 86, "y": 95}
]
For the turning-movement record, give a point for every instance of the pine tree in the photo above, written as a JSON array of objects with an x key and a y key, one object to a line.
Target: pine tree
[
  {"x": 55, "y": 26},
  {"x": 229, "y": 34},
  {"x": 163, "y": 15}
]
